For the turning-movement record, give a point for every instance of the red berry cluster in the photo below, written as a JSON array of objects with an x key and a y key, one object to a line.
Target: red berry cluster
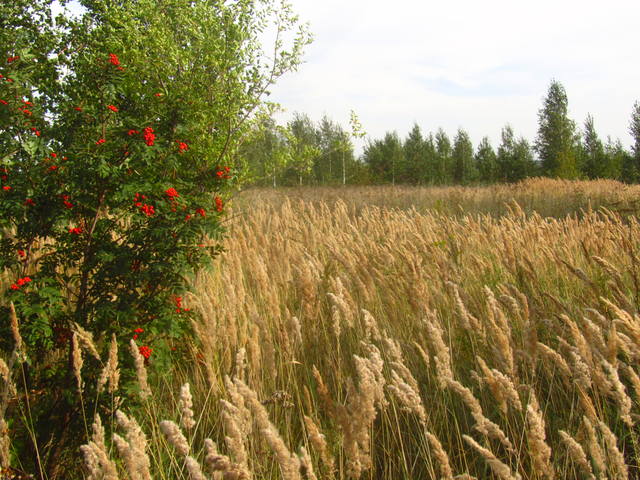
[
  {"x": 13, "y": 59},
  {"x": 224, "y": 173},
  {"x": 75, "y": 230},
  {"x": 65, "y": 200},
  {"x": 136, "y": 199},
  {"x": 172, "y": 193},
  {"x": 52, "y": 168},
  {"x": 219, "y": 204},
  {"x": 4, "y": 177},
  {"x": 179, "y": 309},
  {"x": 21, "y": 282},
  {"x": 113, "y": 108},
  {"x": 149, "y": 136},
  {"x": 148, "y": 210},
  {"x": 114, "y": 60},
  {"x": 182, "y": 147},
  {"x": 145, "y": 351},
  {"x": 136, "y": 332}
]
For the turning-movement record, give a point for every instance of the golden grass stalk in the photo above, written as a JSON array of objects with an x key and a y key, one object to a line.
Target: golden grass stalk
[
  {"x": 499, "y": 468},
  {"x": 97, "y": 432},
  {"x": 408, "y": 396},
  {"x": 5, "y": 373},
  {"x": 483, "y": 425},
  {"x": 442, "y": 459},
  {"x": 554, "y": 358},
  {"x": 501, "y": 387},
  {"x": 235, "y": 435},
  {"x": 97, "y": 462},
  {"x": 220, "y": 464},
  {"x": 423, "y": 354},
  {"x": 539, "y": 449},
  {"x": 194, "y": 468},
  {"x": 593, "y": 445},
  {"x": 357, "y": 416},
  {"x": 15, "y": 330},
  {"x": 77, "y": 362},
  {"x": 85, "y": 339},
  {"x": 240, "y": 364},
  {"x": 577, "y": 454},
  {"x": 175, "y": 437},
  {"x": 96, "y": 456},
  {"x": 5, "y": 444},
  {"x": 616, "y": 458},
  {"x": 371, "y": 330},
  {"x": 618, "y": 392},
  {"x": 133, "y": 450},
  {"x": 442, "y": 358},
  {"x": 289, "y": 463},
  {"x": 470, "y": 323},
  {"x": 8, "y": 389},
  {"x": 306, "y": 466},
  {"x": 185, "y": 406},
  {"x": 323, "y": 392},
  {"x": 141, "y": 371},
  {"x": 580, "y": 371},
  {"x": 500, "y": 333},
  {"x": 295, "y": 330},
  {"x": 110, "y": 372},
  {"x": 634, "y": 379},
  {"x": 319, "y": 443}
]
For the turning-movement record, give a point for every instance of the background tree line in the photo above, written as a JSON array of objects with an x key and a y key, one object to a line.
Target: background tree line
[{"x": 307, "y": 153}]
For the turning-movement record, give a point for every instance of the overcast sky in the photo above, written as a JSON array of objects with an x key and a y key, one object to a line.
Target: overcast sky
[{"x": 475, "y": 64}]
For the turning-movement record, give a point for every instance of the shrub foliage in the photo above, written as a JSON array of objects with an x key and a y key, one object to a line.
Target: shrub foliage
[{"x": 117, "y": 133}]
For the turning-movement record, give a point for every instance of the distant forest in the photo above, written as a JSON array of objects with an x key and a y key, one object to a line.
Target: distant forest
[{"x": 307, "y": 153}]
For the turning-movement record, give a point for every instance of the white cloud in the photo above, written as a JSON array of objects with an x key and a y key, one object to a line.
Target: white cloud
[{"x": 466, "y": 63}]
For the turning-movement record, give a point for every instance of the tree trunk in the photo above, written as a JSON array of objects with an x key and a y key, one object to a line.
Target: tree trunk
[{"x": 393, "y": 172}]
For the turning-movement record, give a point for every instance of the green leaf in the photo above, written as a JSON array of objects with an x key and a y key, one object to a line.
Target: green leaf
[{"x": 31, "y": 146}]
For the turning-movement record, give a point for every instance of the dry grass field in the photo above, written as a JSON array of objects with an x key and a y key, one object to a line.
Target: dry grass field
[{"x": 405, "y": 333}]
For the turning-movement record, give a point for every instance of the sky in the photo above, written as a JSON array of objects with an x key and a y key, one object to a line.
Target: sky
[{"x": 472, "y": 64}]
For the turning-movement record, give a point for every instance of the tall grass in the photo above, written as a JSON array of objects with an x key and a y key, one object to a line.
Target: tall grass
[
  {"x": 388, "y": 333},
  {"x": 548, "y": 197}
]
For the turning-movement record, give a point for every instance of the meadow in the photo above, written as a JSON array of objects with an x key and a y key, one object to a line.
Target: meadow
[{"x": 401, "y": 333}]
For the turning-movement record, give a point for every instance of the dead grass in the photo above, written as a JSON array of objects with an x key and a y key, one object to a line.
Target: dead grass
[{"x": 366, "y": 341}]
